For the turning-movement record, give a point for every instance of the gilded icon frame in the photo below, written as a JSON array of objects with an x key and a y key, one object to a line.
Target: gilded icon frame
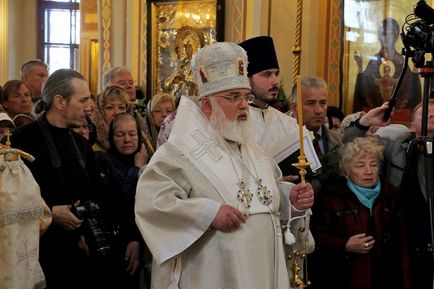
[{"x": 177, "y": 30}]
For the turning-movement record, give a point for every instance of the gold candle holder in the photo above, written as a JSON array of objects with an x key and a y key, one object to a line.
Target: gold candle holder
[{"x": 302, "y": 164}]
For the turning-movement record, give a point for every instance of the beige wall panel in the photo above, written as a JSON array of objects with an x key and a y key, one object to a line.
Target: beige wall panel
[
  {"x": 282, "y": 29},
  {"x": 3, "y": 41},
  {"x": 21, "y": 39}
]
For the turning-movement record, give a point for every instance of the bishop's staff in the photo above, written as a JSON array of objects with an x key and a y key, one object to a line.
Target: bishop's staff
[{"x": 302, "y": 164}]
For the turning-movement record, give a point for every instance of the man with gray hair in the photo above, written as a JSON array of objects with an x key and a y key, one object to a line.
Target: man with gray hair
[
  {"x": 327, "y": 142},
  {"x": 121, "y": 76},
  {"x": 314, "y": 92},
  {"x": 34, "y": 73},
  {"x": 210, "y": 202}
]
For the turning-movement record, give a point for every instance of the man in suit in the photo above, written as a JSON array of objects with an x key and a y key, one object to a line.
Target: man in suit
[
  {"x": 327, "y": 142},
  {"x": 314, "y": 97}
]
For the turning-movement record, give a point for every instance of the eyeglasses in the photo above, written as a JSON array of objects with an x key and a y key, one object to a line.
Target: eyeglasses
[{"x": 236, "y": 97}]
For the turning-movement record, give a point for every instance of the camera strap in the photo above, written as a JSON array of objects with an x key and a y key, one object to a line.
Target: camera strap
[
  {"x": 56, "y": 162},
  {"x": 55, "y": 159},
  {"x": 78, "y": 152},
  {"x": 52, "y": 150}
]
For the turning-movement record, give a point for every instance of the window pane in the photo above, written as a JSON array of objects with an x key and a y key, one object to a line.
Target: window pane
[
  {"x": 62, "y": 24},
  {"x": 61, "y": 34},
  {"x": 58, "y": 57},
  {"x": 46, "y": 27},
  {"x": 75, "y": 27},
  {"x": 59, "y": 23}
]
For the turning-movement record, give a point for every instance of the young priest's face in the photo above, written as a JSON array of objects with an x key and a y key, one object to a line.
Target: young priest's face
[{"x": 265, "y": 85}]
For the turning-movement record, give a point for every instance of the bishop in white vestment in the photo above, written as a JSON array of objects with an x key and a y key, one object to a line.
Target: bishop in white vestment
[{"x": 209, "y": 204}]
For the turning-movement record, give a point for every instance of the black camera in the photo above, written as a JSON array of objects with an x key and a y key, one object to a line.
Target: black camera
[
  {"x": 418, "y": 32},
  {"x": 94, "y": 231}
]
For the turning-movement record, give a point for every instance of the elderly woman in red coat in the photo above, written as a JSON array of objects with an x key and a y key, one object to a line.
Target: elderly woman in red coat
[{"x": 356, "y": 226}]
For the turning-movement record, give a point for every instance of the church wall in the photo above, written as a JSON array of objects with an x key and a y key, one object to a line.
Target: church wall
[
  {"x": 88, "y": 53},
  {"x": 277, "y": 18},
  {"x": 126, "y": 43},
  {"x": 17, "y": 36},
  {"x": 282, "y": 29},
  {"x": 3, "y": 40},
  {"x": 244, "y": 19}
]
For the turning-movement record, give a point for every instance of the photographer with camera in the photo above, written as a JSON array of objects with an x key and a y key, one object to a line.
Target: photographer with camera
[{"x": 65, "y": 170}]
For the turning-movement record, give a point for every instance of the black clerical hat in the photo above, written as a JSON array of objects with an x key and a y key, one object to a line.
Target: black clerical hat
[{"x": 261, "y": 54}]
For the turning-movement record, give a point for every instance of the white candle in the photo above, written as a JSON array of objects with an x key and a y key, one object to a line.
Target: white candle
[{"x": 300, "y": 114}]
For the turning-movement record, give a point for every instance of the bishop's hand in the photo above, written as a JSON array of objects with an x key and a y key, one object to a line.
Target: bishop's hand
[
  {"x": 228, "y": 219},
  {"x": 301, "y": 196}
]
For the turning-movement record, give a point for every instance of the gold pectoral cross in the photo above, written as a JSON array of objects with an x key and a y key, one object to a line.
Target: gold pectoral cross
[
  {"x": 244, "y": 196},
  {"x": 264, "y": 194}
]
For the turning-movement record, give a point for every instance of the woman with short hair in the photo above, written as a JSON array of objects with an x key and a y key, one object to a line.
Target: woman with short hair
[
  {"x": 356, "y": 225},
  {"x": 159, "y": 107}
]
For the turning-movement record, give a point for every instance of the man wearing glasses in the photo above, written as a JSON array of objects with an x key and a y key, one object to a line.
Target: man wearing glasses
[{"x": 210, "y": 203}]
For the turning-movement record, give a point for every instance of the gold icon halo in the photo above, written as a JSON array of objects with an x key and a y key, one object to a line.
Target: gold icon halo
[{"x": 387, "y": 64}]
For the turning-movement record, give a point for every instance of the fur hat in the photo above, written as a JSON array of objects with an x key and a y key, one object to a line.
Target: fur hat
[
  {"x": 261, "y": 53},
  {"x": 219, "y": 67}
]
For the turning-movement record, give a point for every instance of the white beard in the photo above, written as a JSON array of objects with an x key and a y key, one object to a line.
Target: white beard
[{"x": 235, "y": 131}]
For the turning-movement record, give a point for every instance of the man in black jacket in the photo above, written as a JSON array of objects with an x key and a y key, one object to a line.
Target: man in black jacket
[{"x": 65, "y": 170}]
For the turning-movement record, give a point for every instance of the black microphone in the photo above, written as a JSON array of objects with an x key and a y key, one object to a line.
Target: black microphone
[{"x": 424, "y": 12}]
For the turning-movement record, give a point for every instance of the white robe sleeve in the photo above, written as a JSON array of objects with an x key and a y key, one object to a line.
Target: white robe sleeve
[{"x": 168, "y": 219}]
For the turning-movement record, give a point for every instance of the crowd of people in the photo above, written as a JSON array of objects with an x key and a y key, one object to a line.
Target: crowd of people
[{"x": 203, "y": 193}]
